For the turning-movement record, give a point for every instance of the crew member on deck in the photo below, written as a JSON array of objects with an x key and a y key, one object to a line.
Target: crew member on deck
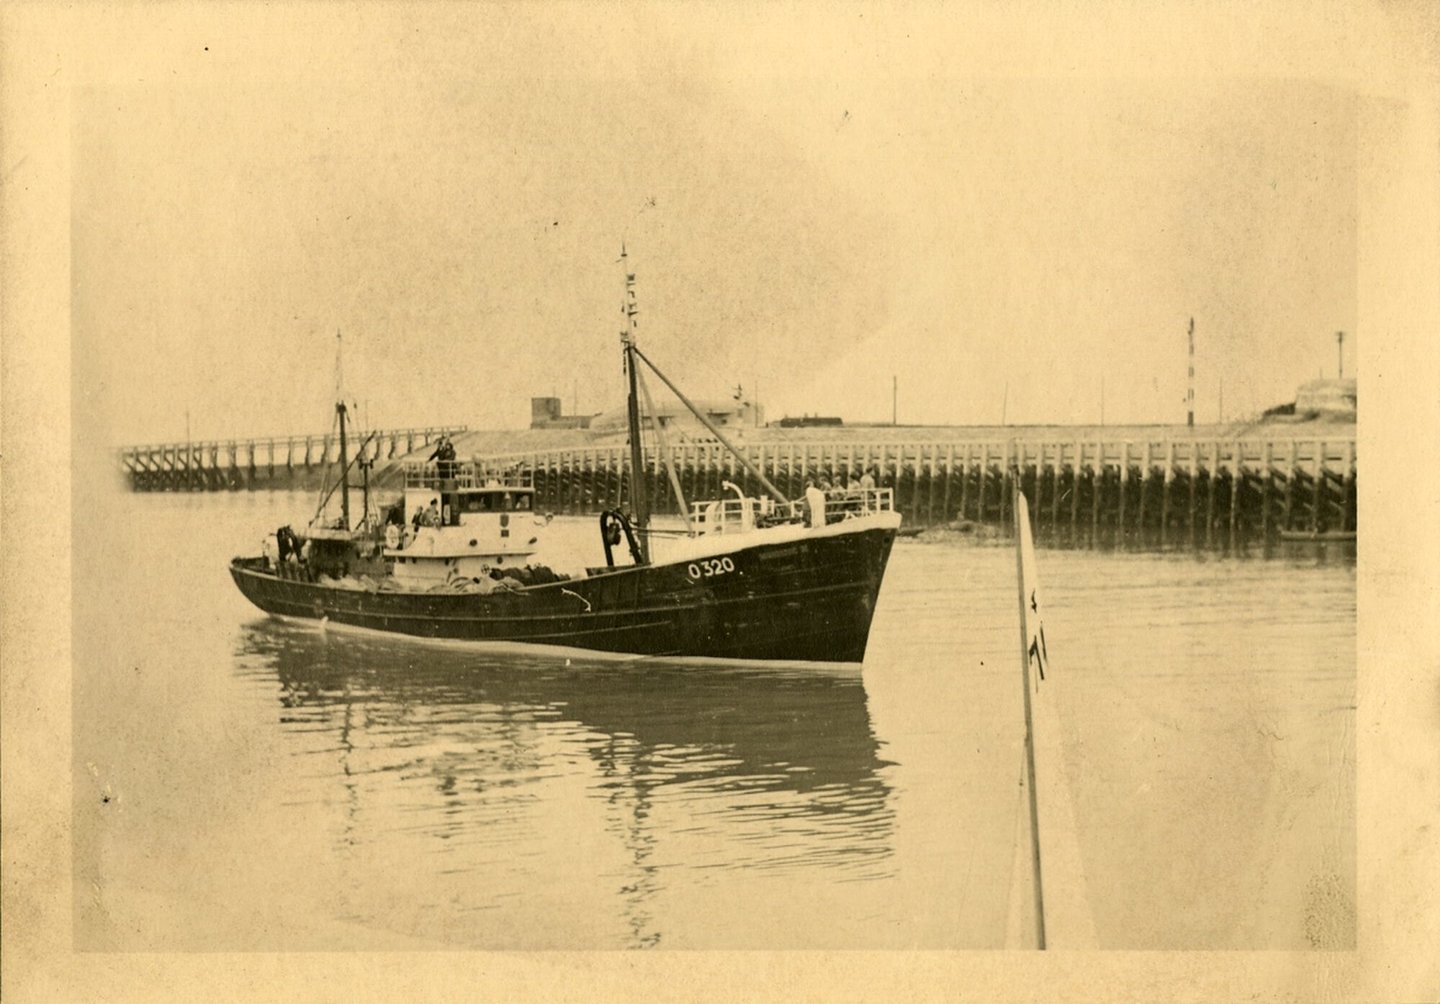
[
  {"x": 288, "y": 547},
  {"x": 444, "y": 456},
  {"x": 815, "y": 502}
]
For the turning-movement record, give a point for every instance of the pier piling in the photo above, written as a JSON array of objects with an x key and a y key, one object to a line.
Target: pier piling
[{"x": 1142, "y": 491}]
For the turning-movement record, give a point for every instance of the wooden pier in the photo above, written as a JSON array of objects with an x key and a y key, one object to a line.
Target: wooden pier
[
  {"x": 254, "y": 464},
  {"x": 1146, "y": 492},
  {"x": 1158, "y": 491}
]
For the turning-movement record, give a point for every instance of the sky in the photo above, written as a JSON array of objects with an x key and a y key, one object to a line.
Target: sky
[{"x": 808, "y": 224}]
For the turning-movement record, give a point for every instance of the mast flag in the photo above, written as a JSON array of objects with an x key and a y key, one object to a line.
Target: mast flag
[{"x": 638, "y": 500}]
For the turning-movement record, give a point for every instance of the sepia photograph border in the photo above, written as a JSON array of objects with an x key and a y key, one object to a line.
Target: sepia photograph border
[{"x": 1386, "y": 53}]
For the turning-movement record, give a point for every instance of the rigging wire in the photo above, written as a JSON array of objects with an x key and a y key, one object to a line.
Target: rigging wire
[
  {"x": 754, "y": 471},
  {"x": 665, "y": 458}
]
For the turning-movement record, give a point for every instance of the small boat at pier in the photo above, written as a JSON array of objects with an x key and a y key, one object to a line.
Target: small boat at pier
[
  {"x": 747, "y": 577},
  {"x": 1317, "y": 536}
]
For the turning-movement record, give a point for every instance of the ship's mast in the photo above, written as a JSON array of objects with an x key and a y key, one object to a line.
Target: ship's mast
[
  {"x": 637, "y": 457},
  {"x": 344, "y": 458},
  {"x": 344, "y": 468}
]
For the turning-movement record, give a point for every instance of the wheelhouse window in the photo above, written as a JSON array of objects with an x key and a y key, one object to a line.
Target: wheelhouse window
[{"x": 495, "y": 501}]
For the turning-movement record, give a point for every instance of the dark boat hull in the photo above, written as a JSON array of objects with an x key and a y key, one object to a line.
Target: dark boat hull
[{"x": 808, "y": 599}]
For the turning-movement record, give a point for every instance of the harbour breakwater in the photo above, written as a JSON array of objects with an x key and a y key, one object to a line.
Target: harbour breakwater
[
  {"x": 1148, "y": 485},
  {"x": 1201, "y": 492},
  {"x": 283, "y": 462}
]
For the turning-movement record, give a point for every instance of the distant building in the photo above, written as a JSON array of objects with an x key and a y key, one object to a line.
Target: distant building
[
  {"x": 1335, "y": 400},
  {"x": 734, "y": 414},
  {"x": 547, "y": 413},
  {"x": 1327, "y": 398}
]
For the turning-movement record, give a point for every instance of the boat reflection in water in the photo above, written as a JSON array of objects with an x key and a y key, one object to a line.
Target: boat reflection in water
[{"x": 666, "y": 767}]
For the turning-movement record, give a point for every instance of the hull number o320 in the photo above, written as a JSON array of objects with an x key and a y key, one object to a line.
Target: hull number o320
[{"x": 708, "y": 568}]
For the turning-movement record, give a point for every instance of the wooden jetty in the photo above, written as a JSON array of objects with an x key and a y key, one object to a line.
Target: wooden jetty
[
  {"x": 1147, "y": 492},
  {"x": 253, "y": 464}
]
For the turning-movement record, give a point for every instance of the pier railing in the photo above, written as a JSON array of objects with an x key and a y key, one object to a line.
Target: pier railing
[{"x": 275, "y": 462}]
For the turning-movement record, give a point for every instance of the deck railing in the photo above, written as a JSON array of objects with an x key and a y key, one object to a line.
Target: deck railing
[
  {"x": 732, "y": 514},
  {"x": 464, "y": 474}
]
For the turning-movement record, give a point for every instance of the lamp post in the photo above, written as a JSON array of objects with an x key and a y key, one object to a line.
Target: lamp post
[{"x": 1190, "y": 385}]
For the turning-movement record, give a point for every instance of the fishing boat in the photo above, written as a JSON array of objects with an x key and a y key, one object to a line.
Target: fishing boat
[{"x": 755, "y": 577}]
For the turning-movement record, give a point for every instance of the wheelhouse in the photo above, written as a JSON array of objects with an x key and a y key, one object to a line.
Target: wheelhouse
[{"x": 463, "y": 492}]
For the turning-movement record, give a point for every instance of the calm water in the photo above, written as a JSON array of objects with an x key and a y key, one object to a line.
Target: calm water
[{"x": 244, "y": 783}]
